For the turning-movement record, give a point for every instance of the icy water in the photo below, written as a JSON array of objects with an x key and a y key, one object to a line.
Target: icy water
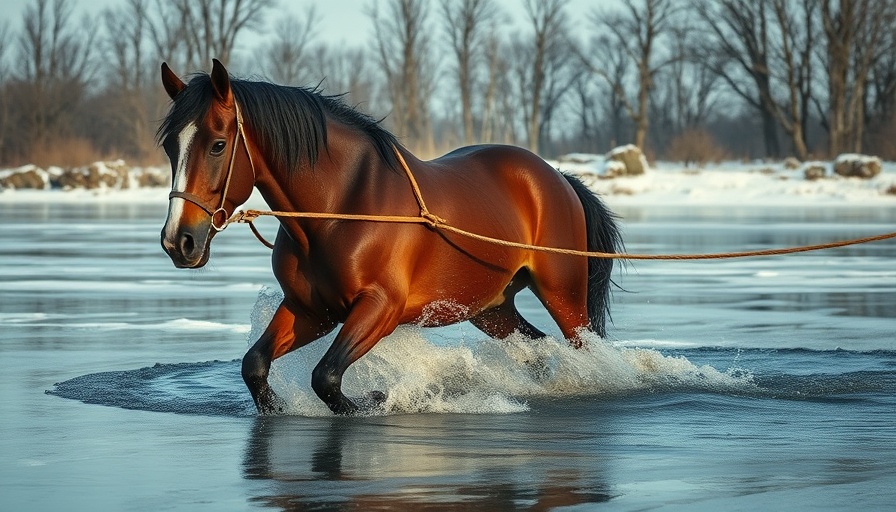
[{"x": 738, "y": 385}]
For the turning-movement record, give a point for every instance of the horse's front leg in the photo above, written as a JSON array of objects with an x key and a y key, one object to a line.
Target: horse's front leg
[
  {"x": 372, "y": 317},
  {"x": 286, "y": 332}
]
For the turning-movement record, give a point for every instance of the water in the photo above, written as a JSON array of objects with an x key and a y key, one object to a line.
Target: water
[{"x": 765, "y": 383}]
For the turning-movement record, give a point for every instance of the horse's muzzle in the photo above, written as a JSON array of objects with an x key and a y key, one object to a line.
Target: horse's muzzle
[{"x": 187, "y": 248}]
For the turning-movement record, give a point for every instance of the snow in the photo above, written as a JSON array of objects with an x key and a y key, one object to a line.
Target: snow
[
  {"x": 736, "y": 183},
  {"x": 755, "y": 183},
  {"x": 855, "y": 157}
]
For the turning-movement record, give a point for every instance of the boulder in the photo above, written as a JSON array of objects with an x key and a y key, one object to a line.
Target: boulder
[
  {"x": 815, "y": 171},
  {"x": 96, "y": 175},
  {"x": 791, "y": 163},
  {"x": 28, "y": 177},
  {"x": 631, "y": 157},
  {"x": 614, "y": 168},
  {"x": 851, "y": 165}
]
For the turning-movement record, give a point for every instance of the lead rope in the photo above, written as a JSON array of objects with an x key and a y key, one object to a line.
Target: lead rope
[{"x": 436, "y": 222}]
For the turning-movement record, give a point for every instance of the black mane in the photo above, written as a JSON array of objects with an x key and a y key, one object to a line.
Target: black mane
[{"x": 289, "y": 122}]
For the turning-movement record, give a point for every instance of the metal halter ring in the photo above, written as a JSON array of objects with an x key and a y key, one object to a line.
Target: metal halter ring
[{"x": 223, "y": 224}]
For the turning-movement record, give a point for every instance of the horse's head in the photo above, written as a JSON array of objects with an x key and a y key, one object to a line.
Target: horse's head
[{"x": 212, "y": 173}]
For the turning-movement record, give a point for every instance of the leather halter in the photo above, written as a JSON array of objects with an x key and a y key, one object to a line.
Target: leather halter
[{"x": 200, "y": 202}]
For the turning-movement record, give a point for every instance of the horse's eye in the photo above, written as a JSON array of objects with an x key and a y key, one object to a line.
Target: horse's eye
[{"x": 218, "y": 148}]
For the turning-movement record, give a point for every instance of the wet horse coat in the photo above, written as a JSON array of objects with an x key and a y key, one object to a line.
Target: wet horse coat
[{"x": 310, "y": 152}]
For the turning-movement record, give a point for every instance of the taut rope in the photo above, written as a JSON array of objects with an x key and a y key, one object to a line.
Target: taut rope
[{"x": 435, "y": 222}]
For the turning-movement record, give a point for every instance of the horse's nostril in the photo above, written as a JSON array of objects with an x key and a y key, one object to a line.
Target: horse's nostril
[{"x": 187, "y": 245}]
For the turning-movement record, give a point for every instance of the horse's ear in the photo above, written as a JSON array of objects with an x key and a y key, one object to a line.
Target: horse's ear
[
  {"x": 221, "y": 82},
  {"x": 173, "y": 84}
]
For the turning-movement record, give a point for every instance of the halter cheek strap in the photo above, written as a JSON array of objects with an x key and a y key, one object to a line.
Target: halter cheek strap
[{"x": 201, "y": 203}]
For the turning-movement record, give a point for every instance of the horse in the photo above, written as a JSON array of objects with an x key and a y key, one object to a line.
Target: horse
[{"x": 307, "y": 151}]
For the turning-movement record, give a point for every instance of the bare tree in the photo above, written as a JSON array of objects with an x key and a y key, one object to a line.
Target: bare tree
[
  {"x": 347, "y": 71},
  {"x": 468, "y": 24},
  {"x": 497, "y": 68},
  {"x": 50, "y": 48},
  {"x": 547, "y": 22},
  {"x": 286, "y": 57},
  {"x": 168, "y": 34},
  {"x": 609, "y": 60},
  {"x": 131, "y": 104},
  {"x": 127, "y": 31},
  {"x": 738, "y": 49},
  {"x": 796, "y": 42},
  {"x": 881, "y": 110},
  {"x": 53, "y": 69},
  {"x": 403, "y": 44},
  {"x": 636, "y": 31},
  {"x": 589, "y": 134},
  {"x": 561, "y": 75},
  {"x": 855, "y": 41},
  {"x": 686, "y": 92},
  {"x": 4, "y": 48},
  {"x": 4, "y": 89},
  {"x": 192, "y": 32}
]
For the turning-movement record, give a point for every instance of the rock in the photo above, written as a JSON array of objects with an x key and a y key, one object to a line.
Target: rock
[
  {"x": 851, "y": 165},
  {"x": 815, "y": 171},
  {"x": 631, "y": 157},
  {"x": 791, "y": 163},
  {"x": 115, "y": 175},
  {"x": 96, "y": 175},
  {"x": 613, "y": 168},
  {"x": 28, "y": 177}
]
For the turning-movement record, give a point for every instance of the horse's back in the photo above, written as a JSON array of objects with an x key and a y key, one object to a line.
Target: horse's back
[{"x": 513, "y": 180}]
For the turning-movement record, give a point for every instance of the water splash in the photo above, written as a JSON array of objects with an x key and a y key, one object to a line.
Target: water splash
[{"x": 484, "y": 375}]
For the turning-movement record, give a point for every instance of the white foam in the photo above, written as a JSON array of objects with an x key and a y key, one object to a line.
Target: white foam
[{"x": 485, "y": 376}]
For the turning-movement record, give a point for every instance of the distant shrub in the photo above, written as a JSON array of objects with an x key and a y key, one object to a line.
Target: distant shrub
[
  {"x": 695, "y": 146},
  {"x": 67, "y": 152}
]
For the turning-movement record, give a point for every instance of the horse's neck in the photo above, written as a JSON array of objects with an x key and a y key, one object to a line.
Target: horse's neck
[{"x": 348, "y": 177}]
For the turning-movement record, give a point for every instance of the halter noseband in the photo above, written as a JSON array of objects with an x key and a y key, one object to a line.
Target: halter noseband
[{"x": 198, "y": 201}]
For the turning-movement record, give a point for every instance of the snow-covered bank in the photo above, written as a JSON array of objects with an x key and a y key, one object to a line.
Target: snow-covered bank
[{"x": 734, "y": 183}]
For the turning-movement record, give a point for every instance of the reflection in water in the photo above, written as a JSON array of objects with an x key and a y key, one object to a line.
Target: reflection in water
[{"x": 436, "y": 462}]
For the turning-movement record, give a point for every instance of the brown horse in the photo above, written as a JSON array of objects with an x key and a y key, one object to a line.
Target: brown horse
[{"x": 305, "y": 151}]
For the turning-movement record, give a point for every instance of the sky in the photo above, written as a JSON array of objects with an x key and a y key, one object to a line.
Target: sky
[{"x": 342, "y": 21}]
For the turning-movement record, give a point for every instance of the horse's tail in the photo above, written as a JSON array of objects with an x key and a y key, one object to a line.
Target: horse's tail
[{"x": 603, "y": 236}]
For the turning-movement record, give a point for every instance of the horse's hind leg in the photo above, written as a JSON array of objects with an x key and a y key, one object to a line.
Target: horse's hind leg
[
  {"x": 561, "y": 284},
  {"x": 285, "y": 333},
  {"x": 501, "y": 321}
]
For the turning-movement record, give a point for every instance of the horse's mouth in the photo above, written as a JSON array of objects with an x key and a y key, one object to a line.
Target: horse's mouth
[{"x": 179, "y": 263}]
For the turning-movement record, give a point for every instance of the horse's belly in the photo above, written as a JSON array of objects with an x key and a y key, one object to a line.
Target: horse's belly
[{"x": 451, "y": 301}]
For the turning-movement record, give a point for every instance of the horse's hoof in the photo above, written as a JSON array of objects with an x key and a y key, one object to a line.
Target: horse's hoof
[
  {"x": 368, "y": 404},
  {"x": 273, "y": 407}
]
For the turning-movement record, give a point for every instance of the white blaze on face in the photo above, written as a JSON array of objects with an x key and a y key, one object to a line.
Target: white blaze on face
[{"x": 179, "y": 183}]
